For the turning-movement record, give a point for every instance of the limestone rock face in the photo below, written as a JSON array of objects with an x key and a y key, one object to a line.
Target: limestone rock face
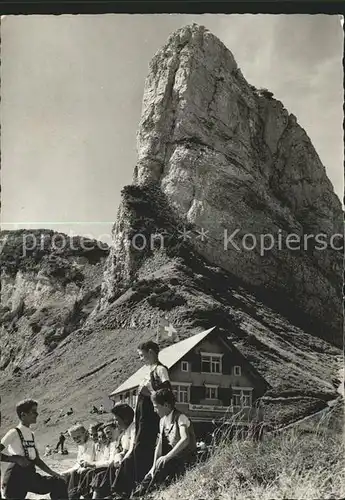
[
  {"x": 230, "y": 158},
  {"x": 50, "y": 283}
]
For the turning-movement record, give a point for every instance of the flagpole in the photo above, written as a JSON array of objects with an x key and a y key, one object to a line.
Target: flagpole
[{"x": 157, "y": 332}]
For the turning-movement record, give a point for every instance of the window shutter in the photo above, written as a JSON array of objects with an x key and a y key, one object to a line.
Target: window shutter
[
  {"x": 226, "y": 363},
  {"x": 225, "y": 395},
  {"x": 196, "y": 394},
  {"x": 195, "y": 361}
]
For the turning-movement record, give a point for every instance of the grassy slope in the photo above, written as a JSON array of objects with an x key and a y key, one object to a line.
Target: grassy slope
[
  {"x": 56, "y": 381},
  {"x": 293, "y": 464}
]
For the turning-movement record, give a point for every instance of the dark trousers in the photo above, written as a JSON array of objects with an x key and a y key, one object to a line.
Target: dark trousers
[
  {"x": 165, "y": 474},
  {"x": 134, "y": 468},
  {"x": 125, "y": 479},
  {"x": 103, "y": 479},
  {"x": 18, "y": 481},
  {"x": 79, "y": 484},
  {"x": 60, "y": 443}
]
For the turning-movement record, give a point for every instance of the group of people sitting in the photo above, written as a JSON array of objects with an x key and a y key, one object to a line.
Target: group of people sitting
[
  {"x": 98, "y": 411},
  {"x": 130, "y": 455}
]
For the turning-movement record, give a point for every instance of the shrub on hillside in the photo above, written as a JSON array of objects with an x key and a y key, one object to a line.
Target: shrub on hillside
[
  {"x": 265, "y": 93},
  {"x": 144, "y": 288},
  {"x": 53, "y": 337},
  {"x": 166, "y": 300}
]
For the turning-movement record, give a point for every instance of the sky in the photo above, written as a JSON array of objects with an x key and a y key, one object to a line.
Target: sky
[{"x": 71, "y": 93}]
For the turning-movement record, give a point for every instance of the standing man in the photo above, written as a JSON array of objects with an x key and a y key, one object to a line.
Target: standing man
[
  {"x": 61, "y": 442},
  {"x": 22, "y": 457}
]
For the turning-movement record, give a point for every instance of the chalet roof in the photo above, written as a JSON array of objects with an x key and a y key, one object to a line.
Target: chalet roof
[{"x": 168, "y": 357}]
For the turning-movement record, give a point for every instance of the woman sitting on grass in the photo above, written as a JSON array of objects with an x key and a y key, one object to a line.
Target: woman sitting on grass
[
  {"x": 108, "y": 436},
  {"x": 123, "y": 416},
  {"x": 93, "y": 431}
]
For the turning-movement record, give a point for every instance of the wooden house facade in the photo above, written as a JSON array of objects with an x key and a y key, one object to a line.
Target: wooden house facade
[{"x": 212, "y": 381}]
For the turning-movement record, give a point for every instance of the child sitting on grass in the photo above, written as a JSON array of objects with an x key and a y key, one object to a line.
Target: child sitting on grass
[
  {"x": 101, "y": 448},
  {"x": 176, "y": 446},
  {"x": 106, "y": 449},
  {"x": 86, "y": 454},
  {"x": 93, "y": 429}
]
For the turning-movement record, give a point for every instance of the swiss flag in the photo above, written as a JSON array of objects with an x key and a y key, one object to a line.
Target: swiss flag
[{"x": 167, "y": 331}]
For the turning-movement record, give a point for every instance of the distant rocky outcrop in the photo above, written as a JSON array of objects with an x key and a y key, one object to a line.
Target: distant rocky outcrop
[{"x": 49, "y": 285}]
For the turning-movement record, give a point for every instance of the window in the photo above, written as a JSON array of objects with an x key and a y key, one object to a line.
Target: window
[
  {"x": 242, "y": 397},
  {"x": 211, "y": 363},
  {"x": 236, "y": 397},
  {"x": 211, "y": 392},
  {"x": 184, "y": 366},
  {"x": 134, "y": 398},
  {"x": 237, "y": 371},
  {"x": 181, "y": 393},
  {"x": 247, "y": 398}
]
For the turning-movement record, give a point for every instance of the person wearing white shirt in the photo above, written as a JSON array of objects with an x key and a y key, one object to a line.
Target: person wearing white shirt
[
  {"x": 106, "y": 447},
  {"x": 22, "y": 457},
  {"x": 86, "y": 453}
]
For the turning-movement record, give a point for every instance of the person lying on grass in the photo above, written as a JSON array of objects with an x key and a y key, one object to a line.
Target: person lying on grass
[{"x": 176, "y": 446}]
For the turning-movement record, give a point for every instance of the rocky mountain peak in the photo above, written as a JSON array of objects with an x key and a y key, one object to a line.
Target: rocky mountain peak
[
  {"x": 230, "y": 159},
  {"x": 181, "y": 89}
]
